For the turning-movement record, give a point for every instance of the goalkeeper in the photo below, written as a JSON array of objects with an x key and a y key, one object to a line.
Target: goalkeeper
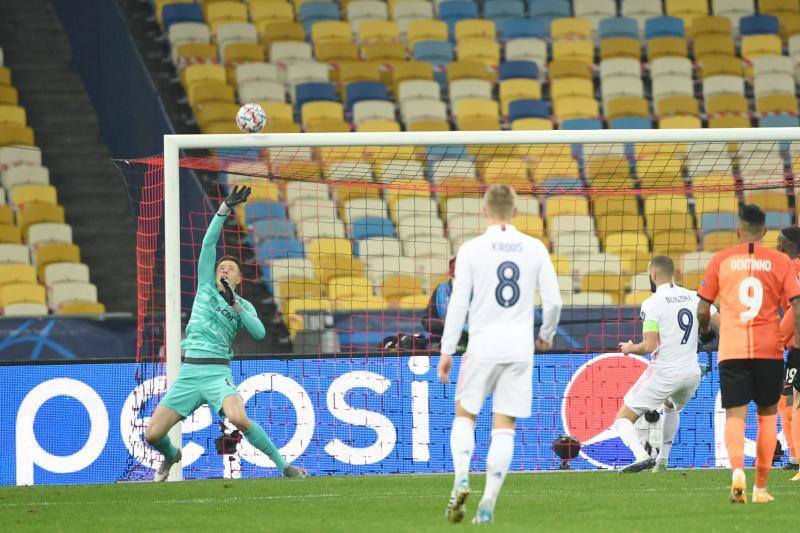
[{"x": 205, "y": 377}]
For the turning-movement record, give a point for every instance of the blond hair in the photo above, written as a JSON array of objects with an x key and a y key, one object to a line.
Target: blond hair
[{"x": 500, "y": 201}]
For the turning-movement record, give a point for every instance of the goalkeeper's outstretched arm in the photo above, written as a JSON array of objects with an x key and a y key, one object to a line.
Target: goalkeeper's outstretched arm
[{"x": 208, "y": 252}]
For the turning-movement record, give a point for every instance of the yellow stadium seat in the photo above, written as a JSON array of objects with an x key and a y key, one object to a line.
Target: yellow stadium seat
[
  {"x": 627, "y": 107},
  {"x": 8, "y": 95},
  {"x": 196, "y": 52},
  {"x": 677, "y": 105},
  {"x": 353, "y": 71},
  {"x": 349, "y": 287},
  {"x": 216, "y": 112},
  {"x": 486, "y": 51},
  {"x": 666, "y": 47},
  {"x": 719, "y": 240},
  {"x": 5, "y": 76},
  {"x": 714, "y": 180},
  {"x": 331, "y": 31},
  {"x": 10, "y": 234},
  {"x": 13, "y": 114},
  {"x": 56, "y": 252},
  {"x": 727, "y": 103},
  {"x": 578, "y": 50},
  {"x": 532, "y": 225},
  {"x": 429, "y": 125},
  {"x": 680, "y": 122},
  {"x": 379, "y": 31},
  {"x": 729, "y": 121},
  {"x": 321, "y": 111},
  {"x": 475, "y": 29},
  {"x": 14, "y": 134},
  {"x": 379, "y": 125},
  {"x": 778, "y": 8},
  {"x": 193, "y": 74},
  {"x": 270, "y": 10},
  {"x": 627, "y": 243},
  {"x": 720, "y": 65},
  {"x": 476, "y": 107},
  {"x": 219, "y": 13},
  {"x": 413, "y": 301},
  {"x": 571, "y": 28},
  {"x": 13, "y": 293},
  {"x": 754, "y": 46},
  {"x": 637, "y": 298},
  {"x": 458, "y": 186},
  {"x": 569, "y": 68},
  {"x": 281, "y": 126},
  {"x": 383, "y": 51},
  {"x": 16, "y": 273},
  {"x": 336, "y": 52},
  {"x": 566, "y": 204},
  {"x": 712, "y": 45},
  {"x": 528, "y": 124},
  {"x": 277, "y": 110},
  {"x": 711, "y": 25},
  {"x": 297, "y": 287},
  {"x": 426, "y": 30},
  {"x": 81, "y": 308},
  {"x": 789, "y": 25},
  {"x": 674, "y": 243},
  {"x": 211, "y": 91},
  {"x": 687, "y": 10},
  {"x": 777, "y": 103},
  {"x": 25, "y": 194},
  {"x": 411, "y": 70},
  {"x": 608, "y": 171},
  {"x": 768, "y": 200},
  {"x": 660, "y": 170},
  {"x": 616, "y": 47},
  {"x": 272, "y": 31},
  {"x": 770, "y": 239},
  {"x": 373, "y": 303},
  {"x": 335, "y": 266},
  {"x": 518, "y": 89},
  {"x": 554, "y": 167},
  {"x": 576, "y": 107},
  {"x": 665, "y": 204},
  {"x": 244, "y": 53},
  {"x": 462, "y": 69},
  {"x": 479, "y": 124},
  {"x": 6, "y": 215},
  {"x": 615, "y": 204},
  {"x": 611, "y": 284},
  {"x": 396, "y": 286},
  {"x": 715, "y": 202},
  {"x": 295, "y": 307},
  {"x": 328, "y": 126}
]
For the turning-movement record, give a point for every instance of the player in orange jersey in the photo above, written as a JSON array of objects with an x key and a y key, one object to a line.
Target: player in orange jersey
[
  {"x": 752, "y": 281},
  {"x": 789, "y": 243}
]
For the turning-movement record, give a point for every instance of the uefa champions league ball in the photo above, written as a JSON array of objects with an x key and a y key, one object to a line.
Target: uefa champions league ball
[{"x": 251, "y": 118}]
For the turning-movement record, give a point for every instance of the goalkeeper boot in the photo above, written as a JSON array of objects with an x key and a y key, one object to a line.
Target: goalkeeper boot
[
  {"x": 485, "y": 515},
  {"x": 738, "y": 486},
  {"x": 163, "y": 471},
  {"x": 791, "y": 466},
  {"x": 458, "y": 500},
  {"x": 294, "y": 472},
  {"x": 660, "y": 466},
  {"x": 796, "y": 477},
  {"x": 761, "y": 496},
  {"x": 646, "y": 463}
]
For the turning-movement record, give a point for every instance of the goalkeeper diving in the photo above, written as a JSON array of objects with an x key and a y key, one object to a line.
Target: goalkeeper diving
[{"x": 218, "y": 313}]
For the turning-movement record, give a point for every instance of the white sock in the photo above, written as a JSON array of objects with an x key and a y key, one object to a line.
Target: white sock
[
  {"x": 501, "y": 451},
  {"x": 793, "y": 460},
  {"x": 462, "y": 444},
  {"x": 669, "y": 428},
  {"x": 627, "y": 433}
]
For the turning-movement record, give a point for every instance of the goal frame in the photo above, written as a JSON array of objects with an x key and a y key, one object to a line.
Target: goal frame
[{"x": 173, "y": 144}]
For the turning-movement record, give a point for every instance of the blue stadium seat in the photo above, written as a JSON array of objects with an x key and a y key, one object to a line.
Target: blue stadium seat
[
  {"x": 582, "y": 124},
  {"x": 273, "y": 228},
  {"x": 435, "y": 52},
  {"x": 454, "y": 10},
  {"x": 518, "y": 69},
  {"x": 711, "y": 222},
  {"x": 777, "y": 219},
  {"x": 364, "y": 228},
  {"x": 547, "y": 11},
  {"x": 314, "y": 91},
  {"x": 311, "y": 12},
  {"x": 758, "y": 25},
  {"x": 435, "y": 153},
  {"x": 558, "y": 184},
  {"x": 173, "y": 13},
  {"x": 240, "y": 154},
  {"x": 663, "y": 27},
  {"x": 264, "y": 211},
  {"x": 778, "y": 121},
  {"x": 631, "y": 123},
  {"x": 520, "y": 28},
  {"x": 279, "y": 248},
  {"x": 528, "y": 109},
  {"x": 365, "y": 90},
  {"x": 503, "y": 11},
  {"x": 618, "y": 27}
]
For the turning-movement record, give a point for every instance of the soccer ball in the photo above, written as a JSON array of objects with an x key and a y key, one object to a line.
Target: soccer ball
[{"x": 251, "y": 118}]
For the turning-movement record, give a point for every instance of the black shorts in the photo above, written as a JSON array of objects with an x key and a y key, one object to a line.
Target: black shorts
[
  {"x": 743, "y": 380},
  {"x": 792, "y": 373}
]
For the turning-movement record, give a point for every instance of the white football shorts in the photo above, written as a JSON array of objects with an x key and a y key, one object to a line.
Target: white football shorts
[
  {"x": 510, "y": 385},
  {"x": 653, "y": 388}
]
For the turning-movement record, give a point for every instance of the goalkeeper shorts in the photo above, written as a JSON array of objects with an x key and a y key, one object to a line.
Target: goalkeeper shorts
[{"x": 197, "y": 385}]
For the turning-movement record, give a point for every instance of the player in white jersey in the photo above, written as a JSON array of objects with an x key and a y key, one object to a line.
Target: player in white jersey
[
  {"x": 496, "y": 279},
  {"x": 669, "y": 329}
]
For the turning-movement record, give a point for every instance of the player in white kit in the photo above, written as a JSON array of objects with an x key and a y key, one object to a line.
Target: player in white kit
[
  {"x": 669, "y": 329},
  {"x": 496, "y": 279}
]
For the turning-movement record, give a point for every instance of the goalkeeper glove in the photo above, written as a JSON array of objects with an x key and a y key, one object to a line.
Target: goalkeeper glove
[
  {"x": 227, "y": 292},
  {"x": 237, "y": 196}
]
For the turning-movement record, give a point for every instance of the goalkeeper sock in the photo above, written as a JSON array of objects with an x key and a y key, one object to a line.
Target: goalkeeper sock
[
  {"x": 498, "y": 459},
  {"x": 668, "y": 430},
  {"x": 258, "y": 438},
  {"x": 164, "y": 445},
  {"x": 765, "y": 447},
  {"x": 627, "y": 433},
  {"x": 462, "y": 445}
]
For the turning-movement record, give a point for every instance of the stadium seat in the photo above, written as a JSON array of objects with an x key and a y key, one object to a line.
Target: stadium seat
[
  {"x": 69, "y": 292},
  {"x": 378, "y": 31},
  {"x": 618, "y": 27},
  {"x": 16, "y": 273},
  {"x": 32, "y": 213},
  {"x": 527, "y": 49},
  {"x": 14, "y": 293},
  {"x": 758, "y": 25},
  {"x": 518, "y": 69},
  {"x": 754, "y": 46},
  {"x": 8, "y": 95},
  {"x": 55, "y": 252},
  {"x": 426, "y": 30},
  {"x": 523, "y": 28},
  {"x": 518, "y": 89},
  {"x": 434, "y": 52},
  {"x": 365, "y": 90},
  {"x": 313, "y": 12},
  {"x": 666, "y": 47},
  {"x": 12, "y": 114},
  {"x": 468, "y": 29},
  {"x": 663, "y": 27},
  {"x": 620, "y": 47},
  {"x": 179, "y": 13},
  {"x": 627, "y": 107},
  {"x": 528, "y": 108},
  {"x": 49, "y": 232},
  {"x": 486, "y": 51},
  {"x": 469, "y": 88}
]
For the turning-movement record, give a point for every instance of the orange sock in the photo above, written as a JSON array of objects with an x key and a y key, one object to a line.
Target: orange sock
[
  {"x": 734, "y": 440},
  {"x": 765, "y": 447},
  {"x": 795, "y": 424}
]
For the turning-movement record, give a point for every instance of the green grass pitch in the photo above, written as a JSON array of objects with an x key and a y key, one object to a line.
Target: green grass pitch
[{"x": 678, "y": 501}]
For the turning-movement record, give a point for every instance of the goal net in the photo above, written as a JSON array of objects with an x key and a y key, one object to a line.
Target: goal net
[{"x": 346, "y": 243}]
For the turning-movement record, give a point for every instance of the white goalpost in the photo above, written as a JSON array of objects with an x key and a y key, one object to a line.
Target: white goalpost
[{"x": 175, "y": 144}]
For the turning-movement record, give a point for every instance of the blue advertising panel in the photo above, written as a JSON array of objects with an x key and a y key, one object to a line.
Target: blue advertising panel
[{"x": 82, "y": 423}]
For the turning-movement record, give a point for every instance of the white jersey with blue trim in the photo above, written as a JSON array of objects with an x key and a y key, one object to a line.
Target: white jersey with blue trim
[{"x": 496, "y": 279}]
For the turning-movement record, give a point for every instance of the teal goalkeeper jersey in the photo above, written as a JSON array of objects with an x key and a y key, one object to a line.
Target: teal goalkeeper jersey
[{"x": 214, "y": 324}]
